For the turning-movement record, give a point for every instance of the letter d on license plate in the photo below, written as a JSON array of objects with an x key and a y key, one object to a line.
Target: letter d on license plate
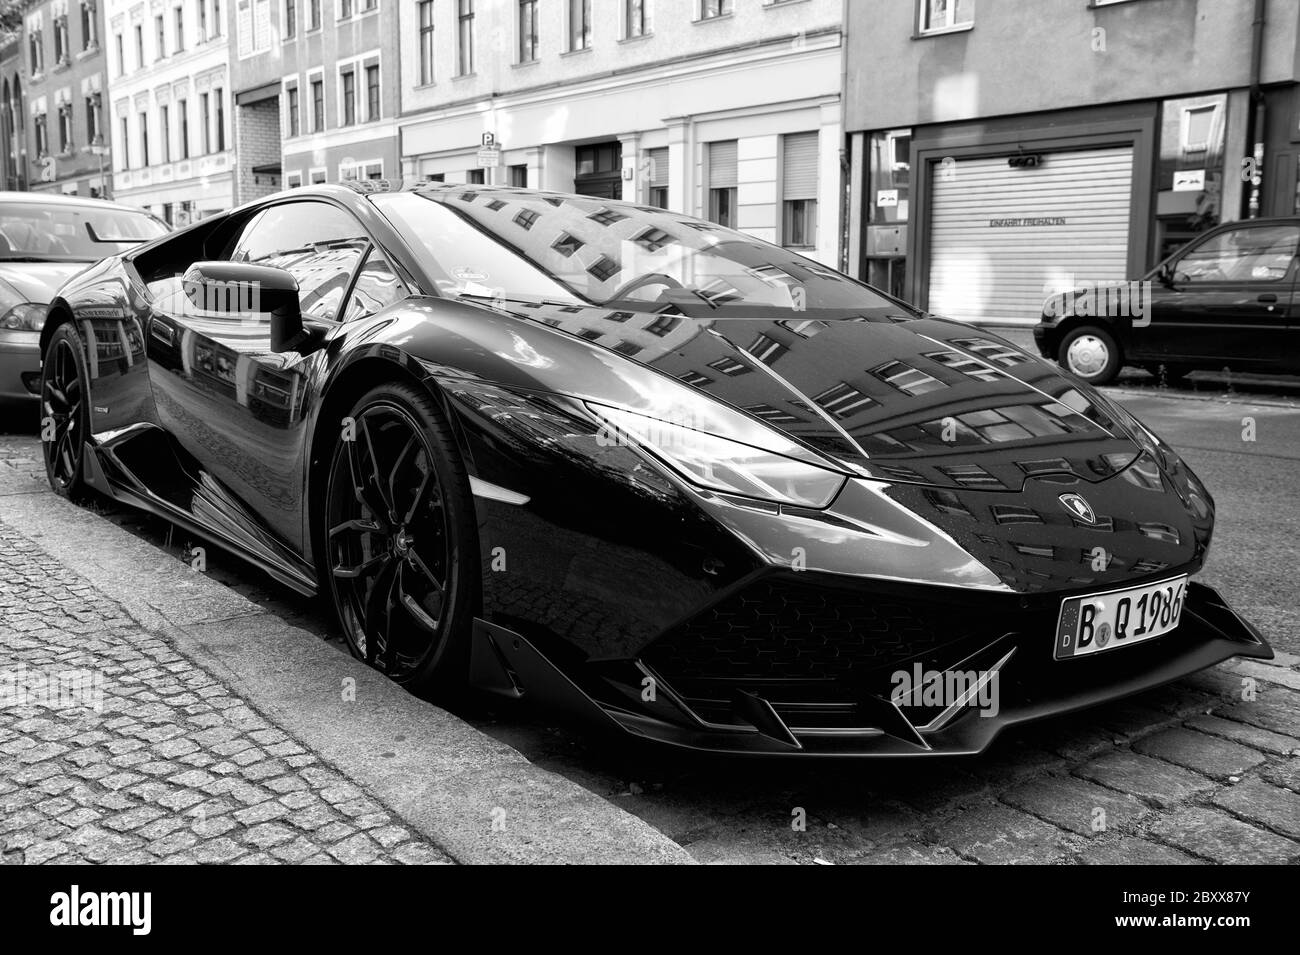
[{"x": 1118, "y": 618}]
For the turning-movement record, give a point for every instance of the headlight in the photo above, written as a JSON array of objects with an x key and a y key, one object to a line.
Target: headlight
[
  {"x": 722, "y": 464},
  {"x": 26, "y": 317}
]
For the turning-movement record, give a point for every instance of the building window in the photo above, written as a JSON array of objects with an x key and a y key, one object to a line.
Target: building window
[
  {"x": 526, "y": 219},
  {"x": 664, "y": 324},
  {"x": 65, "y": 128},
  {"x": 293, "y": 180},
  {"x": 604, "y": 268},
  {"x": 216, "y": 18},
  {"x": 290, "y": 19},
  {"x": 722, "y": 183},
  {"x": 939, "y": 15},
  {"x": 179, "y": 31},
  {"x": 579, "y": 24},
  {"x": 203, "y": 22},
  {"x": 652, "y": 240},
  {"x": 144, "y": 139},
  {"x": 657, "y": 173},
  {"x": 799, "y": 191},
  {"x": 36, "y": 52},
  {"x": 125, "y": 141},
  {"x": 292, "y": 112},
  {"x": 313, "y": 14},
  {"x": 121, "y": 54},
  {"x": 426, "y": 42},
  {"x": 139, "y": 46},
  {"x": 607, "y": 217},
  {"x": 94, "y": 130},
  {"x": 220, "y": 95},
  {"x": 317, "y": 176},
  {"x": 638, "y": 23},
  {"x": 160, "y": 36},
  {"x": 712, "y": 9},
  {"x": 372, "y": 92},
  {"x": 519, "y": 176},
  {"x": 1196, "y": 127},
  {"x": 527, "y": 31},
  {"x": 372, "y": 170},
  {"x": 349, "y": 97},
  {"x": 205, "y": 117},
  {"x": 183, "y": 111},
  {"x": 464, "y": 37},
  {"x": 165, "y": 132},
  {"x": 567, "y": 244},
  {"x": 474, "y": 177},
  {"x": 317, "y": 104},
  {"x": 60, "y": 40},
  {"x": 345, "y": 9},
  {"x": 89, "y": 31}
]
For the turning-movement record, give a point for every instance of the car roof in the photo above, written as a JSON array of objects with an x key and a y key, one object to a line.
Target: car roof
[{"x": 58, "y": 199}]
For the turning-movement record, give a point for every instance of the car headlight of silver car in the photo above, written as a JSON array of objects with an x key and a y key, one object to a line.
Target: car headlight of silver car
[
  {"x": 23, "y": 317},
  {"x": 722, "y": 464}
]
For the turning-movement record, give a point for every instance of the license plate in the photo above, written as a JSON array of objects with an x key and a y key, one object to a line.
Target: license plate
[{"x": 1118, "y": 618}]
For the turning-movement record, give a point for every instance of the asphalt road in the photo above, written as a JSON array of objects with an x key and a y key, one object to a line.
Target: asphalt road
[{"x": 1244, "y": 446}]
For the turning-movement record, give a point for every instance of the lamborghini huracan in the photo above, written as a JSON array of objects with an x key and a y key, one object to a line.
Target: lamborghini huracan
[{"x": 631, "y": 464}]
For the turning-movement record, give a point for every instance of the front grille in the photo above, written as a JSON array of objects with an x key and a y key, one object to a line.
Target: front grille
[{"x": 776, "y": 630}]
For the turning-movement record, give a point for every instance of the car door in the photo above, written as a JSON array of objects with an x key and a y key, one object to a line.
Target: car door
[
  {"x": 1227, "y": 299},
  {"x": 236, "y": 407}
]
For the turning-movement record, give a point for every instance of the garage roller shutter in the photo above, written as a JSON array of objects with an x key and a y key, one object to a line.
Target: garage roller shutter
[
  {"x": 799, "y": 166},
  {"x": 722, "y": 165},
  {"x": 1000, "y": 236}
]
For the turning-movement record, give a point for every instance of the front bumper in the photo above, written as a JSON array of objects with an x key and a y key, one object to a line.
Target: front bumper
[
  {"x": 853, "y": 716},
  {"x": 20, "y": 365}
]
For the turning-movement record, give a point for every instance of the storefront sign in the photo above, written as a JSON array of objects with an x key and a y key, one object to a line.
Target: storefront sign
[
  {"x": 886, "y": 198},
  {"x": 1016, "y": 223},
  {"x": 1189, "y": 180}
]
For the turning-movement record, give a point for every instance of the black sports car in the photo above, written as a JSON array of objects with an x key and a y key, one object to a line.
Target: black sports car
[{"x": 637, "y": 465}]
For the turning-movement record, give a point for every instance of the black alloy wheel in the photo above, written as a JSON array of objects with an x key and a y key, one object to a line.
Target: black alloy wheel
[
  {"x": 65, "y": 416},
  {"x": 399, "y": 530}
]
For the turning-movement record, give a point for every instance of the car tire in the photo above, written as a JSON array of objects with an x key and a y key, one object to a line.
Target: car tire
[
  {"x": 400, "y": 554},
  {"x": 1169, "y": 374},
  {"x": 65, "y": 413},
  {"x": 1091, "y": 353}
]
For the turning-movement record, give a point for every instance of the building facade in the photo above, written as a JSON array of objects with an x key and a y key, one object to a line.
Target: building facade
[
  {"x": 13, "y": 112},
  {"x": 726, "y": 109},
  {"x": 170, "y": 89},
  {"x": 316, "y": 92},
  {"x": 55, "y": 102},
  {"x": 998, "y": 155}
]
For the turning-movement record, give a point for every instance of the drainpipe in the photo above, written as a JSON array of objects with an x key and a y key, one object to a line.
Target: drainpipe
[
  {"x": 847, "y": 187},
  {"x": 1257, "y": 117}
]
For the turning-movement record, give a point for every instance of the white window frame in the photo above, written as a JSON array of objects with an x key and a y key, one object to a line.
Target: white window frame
[
  {"x": 287, "y": 83},
  {"x": 358, "y": 66},
  {"x": 360, "y": 169},
  {"x": 293, "y": 180},
  {"x": 310, "y": 125},
  {"x": 311, "y": 175},
  {"x": 923, "y": 28}
]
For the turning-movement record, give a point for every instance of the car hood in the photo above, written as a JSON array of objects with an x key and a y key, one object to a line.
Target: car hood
[
  {"x": 923, "y": 401},
  {"x": 39, "y": 281}
]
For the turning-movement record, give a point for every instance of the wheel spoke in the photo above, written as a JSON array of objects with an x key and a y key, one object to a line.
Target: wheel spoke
[
  {"x": 423, "y": 568},
  {"x": 379, "y": 602},
  {"x": 428, "y": 481},
  {"x": 59, "y": 397},
  {"x": 396, "y": 469},
  {"x": 388, "y": 512},
  {"x": 356, "y": 524},
  {"x": 356, "y": 571},
  {"x": 361, "y": 486}
]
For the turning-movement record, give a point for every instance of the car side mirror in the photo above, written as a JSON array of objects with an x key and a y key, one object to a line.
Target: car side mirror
[
  {"x": 259, "y": 292},
  {"x": 1165, "y": 275}
]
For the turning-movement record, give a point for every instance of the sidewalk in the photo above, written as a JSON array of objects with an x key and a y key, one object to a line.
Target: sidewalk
[{"x": 193, "y": 727}]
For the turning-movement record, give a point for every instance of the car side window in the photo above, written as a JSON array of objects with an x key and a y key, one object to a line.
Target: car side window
[
  {"x": 317, "y": 243},
  {"x": 377, "y": 287},
  {"x": 1249, "y": 254}
]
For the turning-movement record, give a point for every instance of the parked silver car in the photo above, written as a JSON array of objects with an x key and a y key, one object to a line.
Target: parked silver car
[{"x": 44, "y": 241}]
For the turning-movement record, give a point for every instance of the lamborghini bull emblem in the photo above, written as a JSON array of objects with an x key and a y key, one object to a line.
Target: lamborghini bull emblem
[{"x": 1077, "y": 506}]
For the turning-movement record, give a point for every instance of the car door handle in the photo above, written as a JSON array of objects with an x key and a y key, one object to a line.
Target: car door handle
[{"x": 1268, "y": 297}]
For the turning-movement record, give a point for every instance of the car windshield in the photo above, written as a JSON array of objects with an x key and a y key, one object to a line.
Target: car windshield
[
  {"x": 71, "y": 233},
  {"x": 521, "y": 245}
]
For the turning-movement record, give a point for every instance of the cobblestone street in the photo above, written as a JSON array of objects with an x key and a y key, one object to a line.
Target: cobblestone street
[{"x": 169, "y": 766}]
